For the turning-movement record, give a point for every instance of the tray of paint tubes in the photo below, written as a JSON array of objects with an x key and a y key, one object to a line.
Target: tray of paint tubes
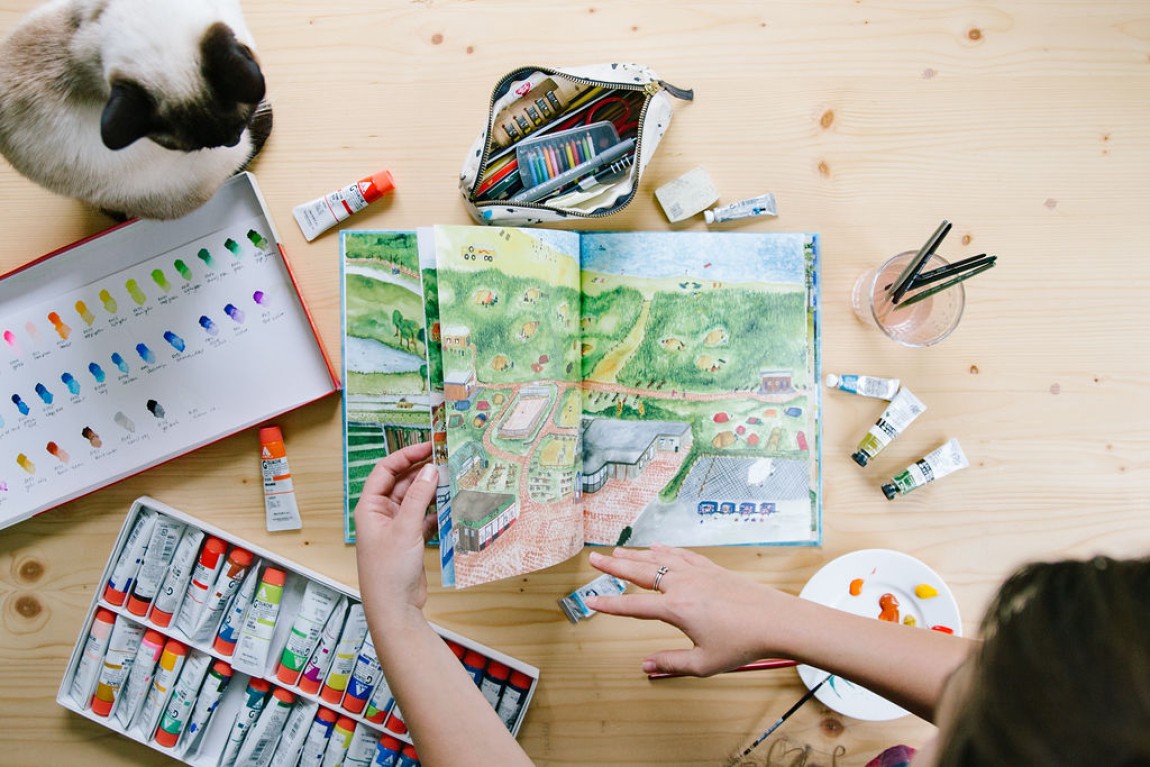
[{"x": 218, "y": 653}]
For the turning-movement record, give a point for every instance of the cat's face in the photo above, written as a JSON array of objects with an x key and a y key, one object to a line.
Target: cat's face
[{"x": 196, "y": 89}]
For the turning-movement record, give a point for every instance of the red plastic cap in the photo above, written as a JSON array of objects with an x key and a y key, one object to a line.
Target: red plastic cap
[
  {"x": 166, "y": 739},
  {"x": 390, "y": 743},
  {"x": 331, "y": 695},
  {"x": 352, "y": 704},
  {"x": 176, "y": 647},
  {"x": 214, "y": 548},
  {"x": 104, "y": 615},
  {"x": 345, "y": 723},
  {"x": 473, "y": 659},
  {"x": 137, "y": 606},
  {"x": 155, "y": 639},
  {"x": 396, "y": 725},
  {"x": 519, "y": 679},
  {"x": 114, "y": 596},
  {"x": 286, "y": 675},
  {"x": 273, "y": 577},
  {"x": 102, "y": 707},
  {"x": 409, "y": 752},
  {"x": 223, "y": 646},
  {"x": 326, "y": 715},
  {"x": 160, "y": 617},
  {"x": 241, "y": 557},
  {"x": 377, "y": 185},
  {"x": 283, "y": 695},
  {"x": 223, "y": 668},
  {"x": 498, "y": 671},
  {"x": 456, "y": 648},
  {"x": 259, "y": 685},
  {"x": 310, "y": 686},
  {"x": 269, "y": 434}
]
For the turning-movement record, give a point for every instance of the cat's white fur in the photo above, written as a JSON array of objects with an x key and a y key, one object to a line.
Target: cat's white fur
[{"x": 55, "y": 73}]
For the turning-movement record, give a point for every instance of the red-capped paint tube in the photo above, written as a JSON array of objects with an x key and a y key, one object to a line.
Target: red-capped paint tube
[
  {"x": 513, "y": 698},
  {"x": 364, "y": 678},
  {"x": 317, "y": 666},
  {"x": 219, "y": 677},
  {"x": 339, "y": 742},
  {"x": 165, "y": 538},
  {"x": 280, "y": 509},
  {"x": 475, "y": 664},
  {"x": 88, "y": 669},
  {"x": 199, "y": 587},
  {"x": 319, "y": 215},
  {"x": 260, "y": 622},
  {"x": 362, "y": 747},
  {"x": 387, "y": 752},
  {"x": 178, "y": 710},
  {"x": 346, "y": 653},
  {"x": 131, "y": 557},
  {"x": 175, "y": 583},
  {"x": 318, "y": 736},
  {"x": 118, "y": 659},
  {"x": 264, "y": 736},
  {"x": 167, "y": 672},
  {"x": 494, "y": 680},
  {"x": 408, "y": 757},
  {"x": 254, "y": 700},
  {"x": 139, "y": 679}
]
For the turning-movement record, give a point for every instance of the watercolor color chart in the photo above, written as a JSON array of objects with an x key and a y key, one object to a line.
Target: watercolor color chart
[{"x": 139, "y": 344}]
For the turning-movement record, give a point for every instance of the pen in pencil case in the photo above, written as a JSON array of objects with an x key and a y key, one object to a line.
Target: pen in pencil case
[
  {"x": 604, "y": 158},
  {"x": 612, "y": 172}
]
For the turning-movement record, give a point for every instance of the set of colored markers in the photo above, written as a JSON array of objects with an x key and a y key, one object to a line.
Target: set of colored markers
[{"x": 216, "y": 653}]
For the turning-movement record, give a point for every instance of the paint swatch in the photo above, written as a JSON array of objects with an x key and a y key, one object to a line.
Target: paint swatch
[
  {"x": 233, "y": 247},
  {"x": 57, "y": 452},
  {"x": 33, "y": 333},
  {"x": 135, "y": 292},
  {"x": 146, "y": 354},
  {"x": 13, "y": 344},
  {"x": 85, "y": 313},
  {"x": 183, "y": 269},
  {"x": 44, "y": 394},
  {"x": 206, "y": 256},
  {"x": 124, "y": 422},
  {"x": 21, "y": 405},
  {"x": 110, "y": 305},
  {"x": 260, "y": 297},
  {"x": 235, "y": 313},
  {"x": 71, "y": 382},
  {"x": 210, "y": 327},
  {"x": 176, "y": 342},
  {"x": 120, "y": 363},
  {"x": 61, "y": 327},
  {"x": 156, "y": 409},
  {"x": 93, "y": 438},
  {"x": 258, "y": 239},
  {"x": 26, "y": 464},
  {"x": 161, "y": 279},
  {"x": 97, "y": 372}
]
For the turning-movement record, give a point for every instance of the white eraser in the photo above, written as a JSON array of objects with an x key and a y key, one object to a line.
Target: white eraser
[{"x": 687, "y": 195}]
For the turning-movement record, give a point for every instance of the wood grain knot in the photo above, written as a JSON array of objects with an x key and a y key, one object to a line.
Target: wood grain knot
[
  {"x": 831, "y": 727},
  {"x": 824, "y": 169},
  {"x": 470, "y": 49},
  {"x": 974, "y": 370},
  {"x": 30, "y": 571},
  {"x": 966, "y": 238},
  {"x": 975, "y": 34},
  {"x": 1055, "y": 388},
  {"x": 436, "y": 39},
  {"x": 827, "y": 119},
  {"x": 28, "y": 607}
]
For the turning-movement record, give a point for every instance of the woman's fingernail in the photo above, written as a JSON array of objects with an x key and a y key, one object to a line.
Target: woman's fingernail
[
  {"x": 428, "y": 473},
  {"x": 595, "y": 556},
  {"x": 649, "y": 667}
]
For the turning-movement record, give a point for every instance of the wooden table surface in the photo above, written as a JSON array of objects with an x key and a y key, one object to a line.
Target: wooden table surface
[{"x": 1027, "y": 124}]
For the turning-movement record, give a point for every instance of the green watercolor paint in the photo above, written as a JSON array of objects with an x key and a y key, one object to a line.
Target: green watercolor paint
[
  {"x": 258, "y": 239},
  {"x": 183, "y": 269},
  {"x": 135, "y": 292},
  {"x": 233, "y": 246},
  {"x": 109, "y": 302},
  {"x": 161, "y": 279},
  {"x": 206, "y": 257}
]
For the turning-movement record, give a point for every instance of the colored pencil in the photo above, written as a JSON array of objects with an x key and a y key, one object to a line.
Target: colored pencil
[
  {"x": 902, "y": 284},
  {"x": 779, "y": 723},
  {"x": 915, "y": 298},
  {"x": 758, "y": 665}
]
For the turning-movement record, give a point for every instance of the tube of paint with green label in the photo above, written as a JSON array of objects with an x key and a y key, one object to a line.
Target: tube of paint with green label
[
  {"x": 255, "y": 696},
  {"x": 318, "y": 603},
  {"x": 178, "y": 710},
  {"x": 260, "y": 623},
  {"x": 904, "y": 408},
  {"x": 219, "y": 676},
  {"x": 943, "y": 460},
  {"x": 118, "y": 658},
  {"x": 131, "y": 557},
  {"x": 317, "y": 666}
]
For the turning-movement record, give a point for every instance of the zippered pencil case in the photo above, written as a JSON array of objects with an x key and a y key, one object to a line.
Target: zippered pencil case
[{"x": 565, "y": 143}]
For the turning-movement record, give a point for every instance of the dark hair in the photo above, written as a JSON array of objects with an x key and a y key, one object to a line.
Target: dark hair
[{"x": 1063, "y": 675}]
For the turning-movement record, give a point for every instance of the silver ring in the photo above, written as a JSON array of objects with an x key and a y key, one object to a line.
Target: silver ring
[{"x": 663, "y": 570}]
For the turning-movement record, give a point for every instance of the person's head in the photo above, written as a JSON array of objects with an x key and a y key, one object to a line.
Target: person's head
[{"x": 1063, "y": 674}]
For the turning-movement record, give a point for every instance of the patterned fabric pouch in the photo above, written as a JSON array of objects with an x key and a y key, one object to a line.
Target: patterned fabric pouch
[{"x": 565, "y": 143}]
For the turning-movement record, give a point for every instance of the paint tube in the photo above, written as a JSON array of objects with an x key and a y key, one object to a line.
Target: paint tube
[
  {"x": 318, "y": 735},
  {"x": 574, "y": 606},
  {"x": 176, "y": 582},
  {"x": 763, "y": 205},
  {"x": 494, "y": 680},
  {"x": 362, "y": 747},
  {"x": 514, "y": 696},
  {"x": 294, "y": 733},
  {"x": 204, "y": 574},
  {"x": 280, "y": 509},
  {"x": 904, "y": 408},
  {"x": 346, "y": 652},
  {"x": 943, "y": 460},
  {"x": 363, "y": 678},
  {"x": 317, "y": 666},
  {"x": 178, "y": 709},
  {"x": 264, "y": 736},
  {"x": 865, "y": 386},
  {"x": 229, "y": 633},
  {"x": 131, "y": 557},
  {"x": 474, "y": 663},
  {"x": 319, "y": 215},
  {"x": 382, "y": 701},
  {"x": 161, "y": 549},
  {"x": 92, "y": 658},
  {"x": 408, "y": 757},
  {"x": 339, "y": 742},
  {"x": 167, "y": 672},
  {"x": 387, "y": 752},
  {"x": 227, "y": 583},
  {"x": 219, "y": 677},
  {"x": 260, "y": 623},
  {"x": 118, "y": 659},
  {"x": 318, "y": 603},
  {"x": 140, "y": 677},
  {"x": 255, "y": 696}
]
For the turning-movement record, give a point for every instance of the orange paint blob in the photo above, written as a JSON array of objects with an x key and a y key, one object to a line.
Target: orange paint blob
[
  {"x": 856, "y": 587},
  {"x": 942, "y": 629},
  {"x": 888, "y": 603}
]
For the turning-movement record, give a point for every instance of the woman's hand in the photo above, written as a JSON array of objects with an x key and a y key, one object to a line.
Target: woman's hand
[
  {"x": 729, "y": 618},
  {"x": 389, "y": 531}
]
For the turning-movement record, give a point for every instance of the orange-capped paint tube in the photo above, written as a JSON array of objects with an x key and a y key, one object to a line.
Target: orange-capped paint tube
[
  {"x": 280, "y": 507},
  {"x": 319, "y": 215}
]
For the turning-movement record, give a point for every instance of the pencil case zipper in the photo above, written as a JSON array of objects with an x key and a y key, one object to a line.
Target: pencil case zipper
[{"x": 650, "y": 88}]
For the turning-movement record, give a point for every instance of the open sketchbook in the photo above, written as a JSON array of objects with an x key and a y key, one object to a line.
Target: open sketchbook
[{"x": 589, "y": 388}]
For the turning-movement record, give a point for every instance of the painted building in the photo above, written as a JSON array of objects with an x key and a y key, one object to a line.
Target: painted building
[
  {"x": 458, "y": 385},
  {"x": 480, "y": 518},
  {"x": 617, "y": 449},
  {"x": 466, "y": 464},
  {"x": 553, "y": 475},
  {"x": 455, "y": 337},
  {"x": 775, "y": 382}
]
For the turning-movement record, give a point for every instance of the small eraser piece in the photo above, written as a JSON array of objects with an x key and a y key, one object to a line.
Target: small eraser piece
[{"x": 688, "y": 195}]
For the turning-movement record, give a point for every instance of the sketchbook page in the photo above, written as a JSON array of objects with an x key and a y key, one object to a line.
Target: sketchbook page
[
  {"x": 386, "y": 402},
  {"x": 508, "y": 300},
  {"x": 700, "y": 395}
]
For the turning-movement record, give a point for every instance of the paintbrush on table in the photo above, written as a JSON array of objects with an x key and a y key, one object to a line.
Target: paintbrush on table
[{"x": 779, "y": 722}]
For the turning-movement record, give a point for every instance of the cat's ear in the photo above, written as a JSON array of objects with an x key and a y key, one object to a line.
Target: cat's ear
[
  {"x": 127, "y": 115},
  {"x": 230, "y": 68}
]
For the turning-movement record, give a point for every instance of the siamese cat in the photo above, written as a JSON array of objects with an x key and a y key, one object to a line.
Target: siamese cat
[{"x": 137, "y": 107}]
